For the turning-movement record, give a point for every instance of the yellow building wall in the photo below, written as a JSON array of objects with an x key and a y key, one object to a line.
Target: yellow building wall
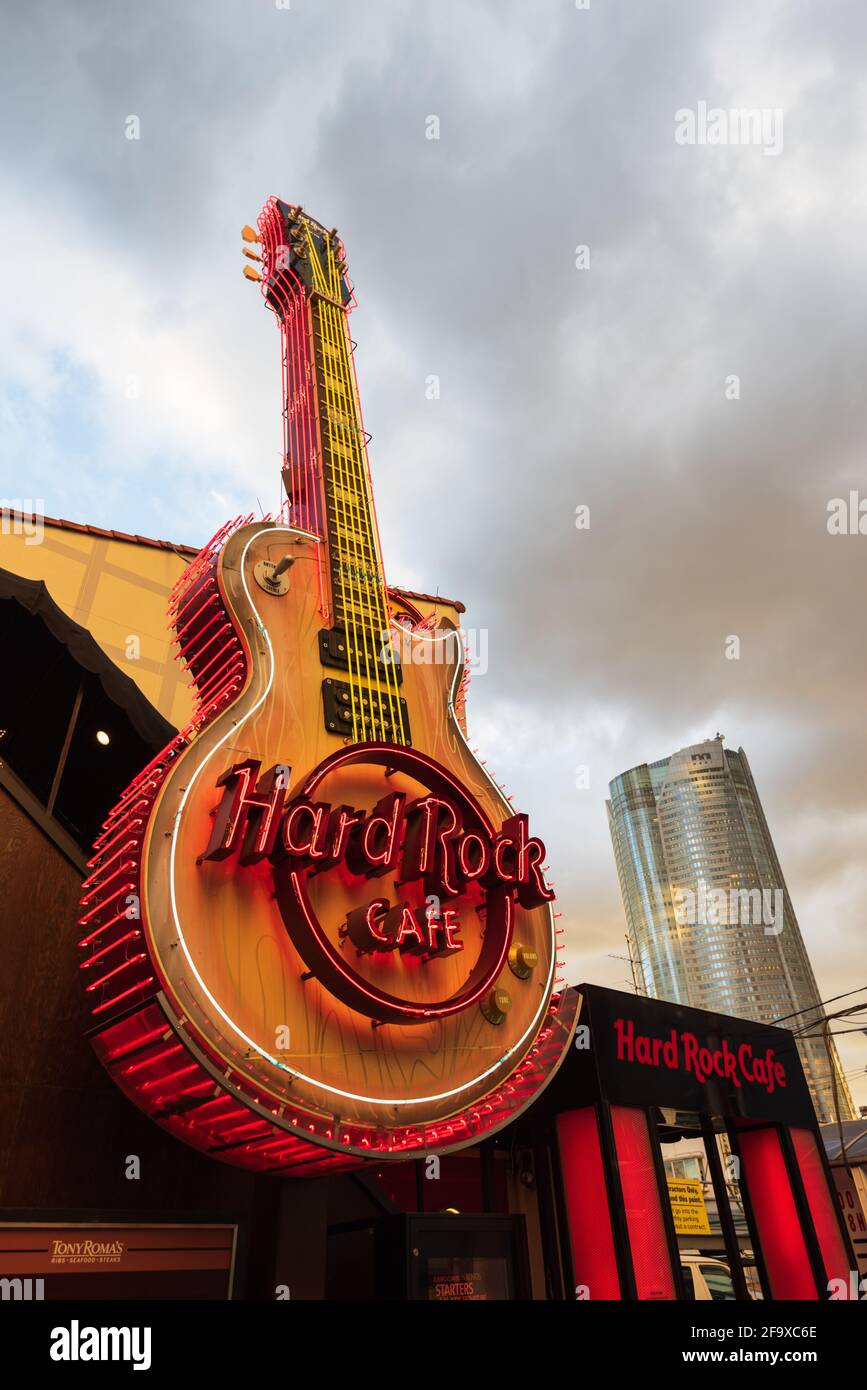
[{"x": 118, "y": 590}]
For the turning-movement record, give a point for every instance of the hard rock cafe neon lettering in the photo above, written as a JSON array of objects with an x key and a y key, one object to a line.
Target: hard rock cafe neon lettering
[
  {"x": 381, "y": 927},
  {"x": 684, "y": 1051},
  {"x": 443, "y": 840},
  {"x": 424, "y": 839}
]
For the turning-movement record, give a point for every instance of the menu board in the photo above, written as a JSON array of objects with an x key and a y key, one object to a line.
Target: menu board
[{"x": 475, "y": 1279}]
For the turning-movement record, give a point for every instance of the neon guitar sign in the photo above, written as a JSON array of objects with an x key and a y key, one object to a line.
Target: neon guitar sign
[{"x": 356, "y": 954}]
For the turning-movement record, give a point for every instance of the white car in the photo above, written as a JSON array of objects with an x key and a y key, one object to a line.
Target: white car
[{"x": 705, "y": 1278}]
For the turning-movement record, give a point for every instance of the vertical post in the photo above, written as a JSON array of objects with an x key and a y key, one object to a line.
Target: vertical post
[
  {"x": 726, "y": 1220},
  {"x": 619, "y": 1223},
  {"x": 667, "y": 1213},
  {"x": 546, "y": 1167},
  {"x": 753, "y": 1229},
  {"x": 64, "y": 752},
  {"x": 805, "y": 1216}
]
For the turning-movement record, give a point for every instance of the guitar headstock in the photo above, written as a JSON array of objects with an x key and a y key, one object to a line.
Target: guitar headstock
[{"x": 295, "y": 248}]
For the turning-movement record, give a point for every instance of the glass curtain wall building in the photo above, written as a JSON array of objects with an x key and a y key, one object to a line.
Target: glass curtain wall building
[{"x": 710, "y": 920}]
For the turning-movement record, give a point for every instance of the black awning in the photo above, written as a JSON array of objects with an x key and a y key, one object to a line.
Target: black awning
[
  {"x": 74, "y": 729},
  {"x": 33, "y": 595}
]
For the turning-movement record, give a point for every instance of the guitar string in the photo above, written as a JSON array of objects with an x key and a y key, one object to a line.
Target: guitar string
[
  {"x": 353, "y": 536},
  {"x": 365, "y": 507},
  {"x": 367, "y": 559},
  {"x": 350, "y": 602},
  {"x": 376, "y": 580},
  {"x": 347, "y": 600},
  {"x": 383, "y": 616},
  {"x": 333, "y": 334},
  {"x": 347, "y": 411},
  {"x": 364, "y": 504},
  {"x": 320, "y": 370}
]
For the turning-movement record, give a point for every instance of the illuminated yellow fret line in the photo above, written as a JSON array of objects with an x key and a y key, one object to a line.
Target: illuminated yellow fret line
[
  {"x": 330, "y": 319},
  {"x": 352, "y": 643},
  {"x": 367, "y": 512},
  {"x": 367, "y": 515},
  {"x": 333, "y": 273},
  {"x": 358, "y": 531},
  {"x": 348, "y": 610},
  {"x": 359, "y": 534},
  {"x": 351, "y": 652},
  {"x": 313, "y": 258}
]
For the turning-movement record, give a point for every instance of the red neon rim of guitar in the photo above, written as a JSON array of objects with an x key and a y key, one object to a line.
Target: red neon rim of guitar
[{"x": 325, "y": 960}]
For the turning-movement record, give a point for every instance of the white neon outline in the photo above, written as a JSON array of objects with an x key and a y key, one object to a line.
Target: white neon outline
[{"x": 301, "y": 1076}]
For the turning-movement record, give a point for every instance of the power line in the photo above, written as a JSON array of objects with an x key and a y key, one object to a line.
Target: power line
[{"x": 820, "y": 1005}]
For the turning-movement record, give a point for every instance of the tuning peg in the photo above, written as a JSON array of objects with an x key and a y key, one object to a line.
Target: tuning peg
[
  {"x": 248, "y": 234},
  {"x": 251, "y": 255},
  {"x": 250, "y": 273}
]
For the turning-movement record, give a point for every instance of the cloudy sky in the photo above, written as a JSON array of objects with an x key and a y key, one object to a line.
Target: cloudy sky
[{"x": 609, "y": 386}]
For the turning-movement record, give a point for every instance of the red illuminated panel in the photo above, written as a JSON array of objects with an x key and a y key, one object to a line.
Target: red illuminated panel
[
  {"x": 148, "y": 1061},
  {"x": 587, "y": 1212},
  {"x": 763, "y": 1169},
  {"x": 823, "y": 1205},
  {"x": 642, "y": 1202}
]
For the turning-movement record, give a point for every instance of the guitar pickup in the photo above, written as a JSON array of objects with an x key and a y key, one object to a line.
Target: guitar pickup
[
  {"x": 380, "y": 716},
  {"x": 382, "y": 661}
]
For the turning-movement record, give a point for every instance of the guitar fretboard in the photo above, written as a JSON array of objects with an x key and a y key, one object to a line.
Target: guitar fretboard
[{"x": 326, "y": 470}]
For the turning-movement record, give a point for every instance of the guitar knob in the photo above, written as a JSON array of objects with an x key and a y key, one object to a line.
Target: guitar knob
[
  {"x": 522, "y": 960},
  {"x": 496, "y": 1004}
]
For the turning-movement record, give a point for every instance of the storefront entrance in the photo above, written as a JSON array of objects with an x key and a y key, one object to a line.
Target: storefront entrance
[{"x": 643, "y": 1074}]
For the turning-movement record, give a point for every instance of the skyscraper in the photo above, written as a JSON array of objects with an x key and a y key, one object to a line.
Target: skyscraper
[{"x": 710, "y": 920}]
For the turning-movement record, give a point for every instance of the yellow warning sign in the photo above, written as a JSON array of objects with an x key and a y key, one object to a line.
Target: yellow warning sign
[{"x": 687, "y": 1203}]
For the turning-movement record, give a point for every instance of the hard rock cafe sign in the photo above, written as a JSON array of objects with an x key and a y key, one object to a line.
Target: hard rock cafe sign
[{"x": 352, "y": 953}]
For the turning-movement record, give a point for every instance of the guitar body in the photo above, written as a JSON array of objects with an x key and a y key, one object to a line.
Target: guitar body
[
  {"x": 237, "y": 949},
  {"x": 315, "y": 922}
]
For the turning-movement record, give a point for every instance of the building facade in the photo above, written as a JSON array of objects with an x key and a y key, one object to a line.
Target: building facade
[
  {"x": 100, "y": 1198},
  {"x": 711, "y": 923}
]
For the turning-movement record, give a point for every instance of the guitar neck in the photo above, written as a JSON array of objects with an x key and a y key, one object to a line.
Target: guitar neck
[
  {"x": 355, "y": 562},
  {"x": 325, "y": 469}
]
